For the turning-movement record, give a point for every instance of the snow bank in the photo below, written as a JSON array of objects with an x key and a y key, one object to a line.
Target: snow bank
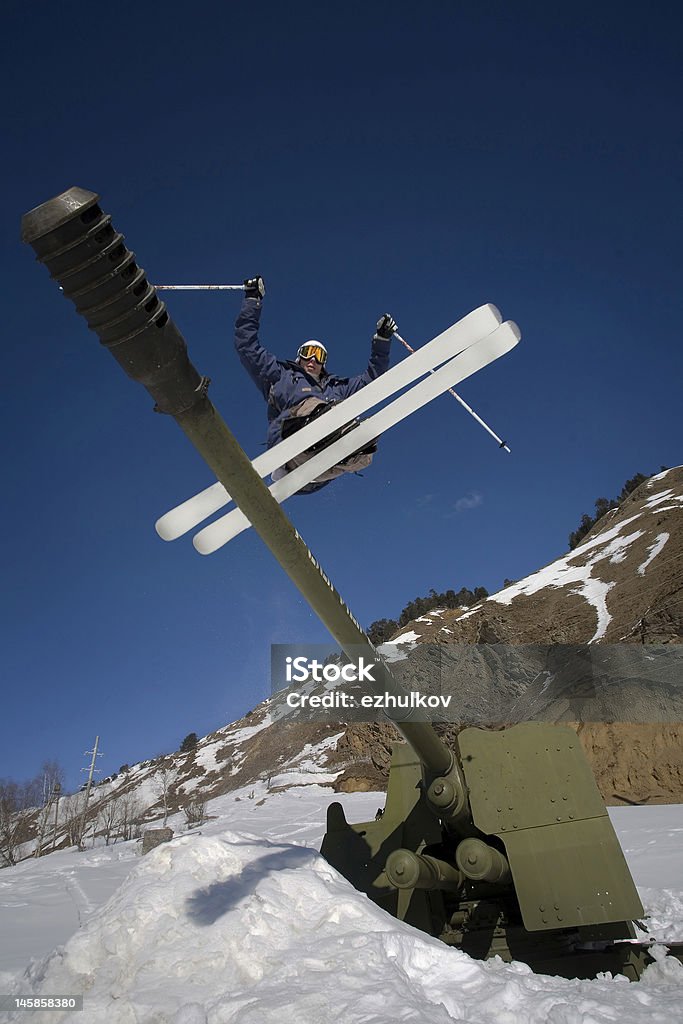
[{"x": 227, "y": 928}]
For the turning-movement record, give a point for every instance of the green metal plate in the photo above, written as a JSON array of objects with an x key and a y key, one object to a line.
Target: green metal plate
[
  {"x": 531, "y": 785},
  {"x": 532, "y": 774},
  {"x": 570, "y": 875}
]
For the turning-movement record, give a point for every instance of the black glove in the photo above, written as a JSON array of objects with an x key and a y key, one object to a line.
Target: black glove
[
  {"x": 386, "y": 327},
  {"x": 254, "y": 288}
]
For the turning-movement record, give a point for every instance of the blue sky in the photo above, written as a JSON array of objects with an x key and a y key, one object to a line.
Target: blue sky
[{"x": 422, "y": 159}]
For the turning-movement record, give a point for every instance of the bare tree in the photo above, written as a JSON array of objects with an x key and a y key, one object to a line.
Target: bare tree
[
  {"x": 48, "y": 785},
  {"x": 75, "y": 823},
  {"x": 108, "y": 818},
  {"x": 17, "y": 800},
  {"x": 195, "y": 811},
  {"x": 165, "y": 777},
  {"x": 130, "y": 814}
]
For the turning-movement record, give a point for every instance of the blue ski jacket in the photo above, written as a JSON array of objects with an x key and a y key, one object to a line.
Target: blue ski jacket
[{"x": 284, "y": 383}]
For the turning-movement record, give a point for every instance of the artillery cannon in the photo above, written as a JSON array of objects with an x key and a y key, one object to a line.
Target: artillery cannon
[
  {"x": 510, "y": 853},
  {"x": 500, "y": 846}
]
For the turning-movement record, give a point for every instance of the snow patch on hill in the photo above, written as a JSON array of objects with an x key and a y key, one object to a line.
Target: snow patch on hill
[
  {"x": 609, "y": 545},
  {"x": 653, "y": 551}
]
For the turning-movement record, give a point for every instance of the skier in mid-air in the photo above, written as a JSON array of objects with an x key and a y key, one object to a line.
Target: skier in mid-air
[{"x": 297, "y": 391}]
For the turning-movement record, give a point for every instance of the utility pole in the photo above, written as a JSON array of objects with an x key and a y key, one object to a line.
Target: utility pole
[
  {"x": 55, "y": 792},
  {"x": 91, "y": 771}
]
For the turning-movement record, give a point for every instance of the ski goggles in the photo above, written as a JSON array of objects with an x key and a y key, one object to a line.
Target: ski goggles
[{"x": 313, "y": 350}]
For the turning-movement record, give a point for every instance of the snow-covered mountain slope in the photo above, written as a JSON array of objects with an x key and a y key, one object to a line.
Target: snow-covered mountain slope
[
  {"x": 251, "y": 752},
  {"x": 245, "y": 922},
  {"x": 622, "y": 584}
]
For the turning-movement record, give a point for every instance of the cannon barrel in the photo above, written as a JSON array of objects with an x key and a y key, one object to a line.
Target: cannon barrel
[
  {"x": 87, "y": 257},
  {"x": 408, "y": 870},
  {"x": 482, "y": 863}
]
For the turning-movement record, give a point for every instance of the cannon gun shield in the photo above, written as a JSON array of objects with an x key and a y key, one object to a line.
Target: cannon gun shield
[{"x": 532, "y": 788}]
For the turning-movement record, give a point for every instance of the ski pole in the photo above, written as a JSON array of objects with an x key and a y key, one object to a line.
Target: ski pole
[
  {"x": 501, "y": 443},
  {"x": 195, "y": 287},
  {"x": 200, "y": 287}
]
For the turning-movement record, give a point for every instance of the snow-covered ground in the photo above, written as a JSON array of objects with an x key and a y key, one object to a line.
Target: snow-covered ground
[{"x": 246, "y": 922}]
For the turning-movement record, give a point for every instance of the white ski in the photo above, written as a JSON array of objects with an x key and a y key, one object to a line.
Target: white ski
[
  {"x": 477, "y": 324},
  {"x": 474, "y": 358}
]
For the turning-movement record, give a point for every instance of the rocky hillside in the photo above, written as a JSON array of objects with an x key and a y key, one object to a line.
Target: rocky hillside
[{"x": 622, "y": 586}]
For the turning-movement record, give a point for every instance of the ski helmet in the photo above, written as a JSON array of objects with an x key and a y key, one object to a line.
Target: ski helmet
[{"x": 313, "y": 350}]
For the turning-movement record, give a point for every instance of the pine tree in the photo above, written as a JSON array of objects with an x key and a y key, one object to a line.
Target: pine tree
[
  {"x": 602, "y": 506},
  {"x": 383, "y": 629},
  {"x": 189, "y": 743}
]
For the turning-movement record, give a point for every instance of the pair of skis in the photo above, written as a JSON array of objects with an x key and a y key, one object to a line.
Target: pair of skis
[{"x": 468, "y": 346}]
